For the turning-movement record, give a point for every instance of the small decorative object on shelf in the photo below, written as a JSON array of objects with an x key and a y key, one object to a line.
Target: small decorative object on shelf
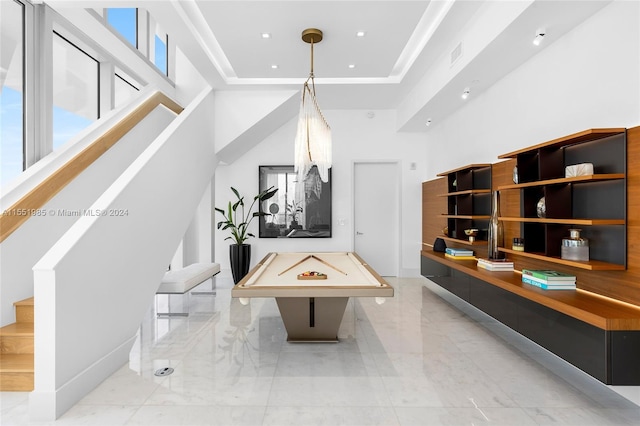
[
  {"x": 472, "y": 234},
  {"x": 515, "y": 174},
  {"x": 518, "y": 244},
  {"x": 496, "y": 230},
  {"x": 541, "y": 208},
  {"x": 575, "y": 247},
  {"x": 584, "y": 169}
]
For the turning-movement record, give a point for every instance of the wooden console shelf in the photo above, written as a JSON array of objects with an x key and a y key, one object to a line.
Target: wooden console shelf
[
  {"x": 598, "y": 335},
  {"x": 601, "y": 312},
  {"x": 572, "y": 221},
  {"x": 563, "y": 181},
  {"x": 591, "y": 265},
  {"x": 470, "y": 191}
]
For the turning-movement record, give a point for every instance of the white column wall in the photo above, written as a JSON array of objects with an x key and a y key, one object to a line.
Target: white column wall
[
  {"x": 588, "y": 78},
  {"x": 355, "y": 137}
]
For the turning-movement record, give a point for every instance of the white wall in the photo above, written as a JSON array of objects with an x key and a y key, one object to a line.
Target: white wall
[
  {"x": 588, "y": 78},
  {"x": 96, "y": 283},
  {"x": 355, "y": 137}
]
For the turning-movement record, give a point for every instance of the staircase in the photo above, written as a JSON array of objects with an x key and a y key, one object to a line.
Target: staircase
[{"x": 16, "y": 350}]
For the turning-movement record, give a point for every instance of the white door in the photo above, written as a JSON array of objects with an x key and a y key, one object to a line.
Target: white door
[{"x": 376, "y": 213}]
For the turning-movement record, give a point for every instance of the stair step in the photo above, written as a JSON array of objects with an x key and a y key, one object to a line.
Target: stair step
[
  {"x": 17, "y": 338},
  {"x": 24, "y": 310},
  {"x": 16, "y": 372}
]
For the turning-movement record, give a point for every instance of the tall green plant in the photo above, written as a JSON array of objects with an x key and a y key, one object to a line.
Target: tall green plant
[{"x": 237, "y": 221}]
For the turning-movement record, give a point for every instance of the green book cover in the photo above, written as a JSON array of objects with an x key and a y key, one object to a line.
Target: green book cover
[{"x": 549, "y": 275}]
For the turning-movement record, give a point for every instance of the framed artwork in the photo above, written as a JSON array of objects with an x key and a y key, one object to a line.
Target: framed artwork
[{"x": 299, "y": 209}]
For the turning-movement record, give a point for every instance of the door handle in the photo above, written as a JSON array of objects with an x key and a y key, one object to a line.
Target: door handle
[{"x": 359, "y": 233}]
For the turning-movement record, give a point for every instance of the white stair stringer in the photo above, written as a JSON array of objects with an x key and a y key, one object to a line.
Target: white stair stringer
[{"x": 96, "y": 283}]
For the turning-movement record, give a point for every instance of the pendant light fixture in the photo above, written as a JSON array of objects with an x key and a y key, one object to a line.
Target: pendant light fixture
[{"x": 313, "y": 137}]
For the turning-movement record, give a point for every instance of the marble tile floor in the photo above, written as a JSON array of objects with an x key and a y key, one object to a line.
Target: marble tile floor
[{"x": 422, "y": 358}]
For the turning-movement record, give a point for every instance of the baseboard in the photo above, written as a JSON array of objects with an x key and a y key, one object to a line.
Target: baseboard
[
  {"x": 410, "y": 272},
  {"x": 48, "y": 406}
]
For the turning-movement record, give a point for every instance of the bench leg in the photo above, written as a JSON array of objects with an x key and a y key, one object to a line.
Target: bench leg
[{"x": 169, "y": 313}]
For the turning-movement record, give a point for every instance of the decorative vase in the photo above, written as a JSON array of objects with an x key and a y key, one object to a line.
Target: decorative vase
[
  {"x": 240, "y": 257},
  {"x": 496, "y": 230}
]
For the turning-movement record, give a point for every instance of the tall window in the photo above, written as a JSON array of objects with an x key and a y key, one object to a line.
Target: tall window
[
  {"x": 160, "y": 52},
  {"x": 125, "y": 21},
  {"x": 11, "y": 90},
  {"x": 75, "y": 90}
]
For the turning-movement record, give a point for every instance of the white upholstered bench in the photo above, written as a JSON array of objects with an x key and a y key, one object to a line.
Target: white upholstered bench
[{"x": 181, "y": 281}]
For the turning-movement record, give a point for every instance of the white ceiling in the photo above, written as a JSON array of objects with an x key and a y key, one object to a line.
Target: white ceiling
[{"x": 404, "y": 41}]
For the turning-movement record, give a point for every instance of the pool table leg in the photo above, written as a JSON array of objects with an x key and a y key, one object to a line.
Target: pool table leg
[{"x": 312, "y": 319}]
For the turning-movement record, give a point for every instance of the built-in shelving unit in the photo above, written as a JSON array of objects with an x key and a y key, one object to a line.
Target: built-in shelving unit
[
  {"x": 468, "y": 203},
  {"x": 595, "y": 203}
]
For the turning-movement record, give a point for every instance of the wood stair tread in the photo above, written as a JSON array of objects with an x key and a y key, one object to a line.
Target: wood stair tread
[
  {"x": 17, "y": 329},
  {"x": 16, "y": 363},
  {"x": 25, "y": 302}
]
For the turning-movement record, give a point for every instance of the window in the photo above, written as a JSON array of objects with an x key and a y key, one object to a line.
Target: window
[
  {"x": 75, "y": 90},
  {"x": 160, "y": 52},
  {"x": 125, "y": 21},
  {"x": 11, "y": 90}
]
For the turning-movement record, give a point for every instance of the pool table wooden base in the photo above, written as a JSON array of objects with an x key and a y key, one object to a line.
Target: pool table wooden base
[{"x": 312, "y": 319}]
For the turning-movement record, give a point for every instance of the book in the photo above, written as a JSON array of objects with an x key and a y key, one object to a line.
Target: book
[
  {"x": 495, "y": 268},
  {"x": 529, "y": 281},
  {"x": 496, "y": 262},
  {"x": 549, "y": 275},
  {"x": 458, "y": 252},
  {"x": 541, "y": 281},
  {"x": 449, "y": 256}
]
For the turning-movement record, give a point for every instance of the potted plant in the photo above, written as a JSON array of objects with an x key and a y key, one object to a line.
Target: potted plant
[
  {"x": 294, "y": 208},
  {"x": 237, "y": 220}
]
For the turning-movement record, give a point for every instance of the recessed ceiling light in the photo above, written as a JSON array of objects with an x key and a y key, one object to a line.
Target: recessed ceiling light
[
  {"x": 465, "y": 93},
  {"x": 274, "y": 66},
  {"x": 352, "y": 66},
  {"x": 265, "y": 35},
  {"x": 539, "y": 36},
  {"x": 360, "y": 34}
]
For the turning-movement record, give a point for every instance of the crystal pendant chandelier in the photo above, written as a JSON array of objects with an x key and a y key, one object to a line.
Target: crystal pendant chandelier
[{"x": 313, "y": 137}]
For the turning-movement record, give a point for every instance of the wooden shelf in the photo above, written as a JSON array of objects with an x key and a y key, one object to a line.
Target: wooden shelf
[
  {"x": 465, "y": 242},
  {"x": 470, "y": 191},
  {"x": 467, "y": 167},
  {"x": 561, "y": 181},
  {"x": 591, "y": 265},
  {"x": 472, "y": 217},
  {"x": 570, "y": 221},
  {"x": 584, "y": 136}
]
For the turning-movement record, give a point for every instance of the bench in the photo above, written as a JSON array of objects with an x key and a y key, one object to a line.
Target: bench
[{"x": 181, "y": 281}]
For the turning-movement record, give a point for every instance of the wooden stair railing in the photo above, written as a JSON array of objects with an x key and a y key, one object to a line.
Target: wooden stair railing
[
  {"x": 16, "y": 350},
  {"x": 13, "y": 217}
]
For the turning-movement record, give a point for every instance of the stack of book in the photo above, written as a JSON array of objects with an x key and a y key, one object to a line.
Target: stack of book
[
  {"x": 495, "y": 264},
  {"x": 459, "y": 254},
  {"x": 549, "y": 280}
]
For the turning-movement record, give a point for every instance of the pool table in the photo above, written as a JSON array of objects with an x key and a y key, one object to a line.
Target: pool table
[{"x": 312, "y": 307}]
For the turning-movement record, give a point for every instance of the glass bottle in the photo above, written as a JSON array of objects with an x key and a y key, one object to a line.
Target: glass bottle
[{"x": 496, "y": 229}]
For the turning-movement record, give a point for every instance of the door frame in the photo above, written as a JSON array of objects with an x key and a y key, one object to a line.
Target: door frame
[{"x": 398, "y": 203}]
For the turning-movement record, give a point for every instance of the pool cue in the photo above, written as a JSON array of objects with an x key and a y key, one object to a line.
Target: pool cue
[
  {"x": 295, "y": 264},
  {"x": 327, "y": 263}
]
